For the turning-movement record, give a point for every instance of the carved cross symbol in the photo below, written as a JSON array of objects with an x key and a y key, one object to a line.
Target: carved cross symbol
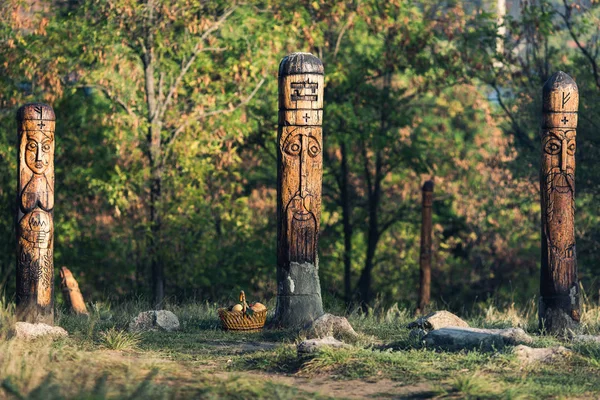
[
  {"x": 306, "y": 118},
  {"x": 564, "y": 120},
  {"x": 41, "y": 124}
]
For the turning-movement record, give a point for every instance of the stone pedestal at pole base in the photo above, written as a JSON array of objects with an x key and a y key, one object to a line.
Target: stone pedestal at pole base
[
  {"x": 35, "y": 209},
  {"x": 299, "y": 181},
  {"x": 559, "y": 286}
]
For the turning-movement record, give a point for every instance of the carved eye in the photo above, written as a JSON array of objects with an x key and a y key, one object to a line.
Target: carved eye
[
  {"x": 294, "y": 146},
  {"x": 571, "y": 148},
  {"x": 32, "y": 146},
  {"x": 313, "y": 147},
  {"x": 552, "y": 147},
  {"x": 46, "y": 147}
]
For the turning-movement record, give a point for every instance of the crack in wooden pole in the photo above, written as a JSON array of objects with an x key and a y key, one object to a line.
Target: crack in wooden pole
[
  {"x": 35, "y": 214},
  {"x": 559, "y": 286},
  {"x": 299, "y": 182}
]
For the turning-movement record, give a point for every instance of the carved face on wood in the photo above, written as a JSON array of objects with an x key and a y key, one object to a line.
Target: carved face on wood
[
  {"x": 558, "y": 191},
  {"x": 302, "y": 163},
  {"x": 39, "y": 151}
]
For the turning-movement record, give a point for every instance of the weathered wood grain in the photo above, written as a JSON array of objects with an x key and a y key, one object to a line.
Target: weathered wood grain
[
  {"x": 35, "y": 205},
  {"x": 425, "y": 253},
  {"x": 559, "y": 286},
  {"x": 299, "y": 181}
]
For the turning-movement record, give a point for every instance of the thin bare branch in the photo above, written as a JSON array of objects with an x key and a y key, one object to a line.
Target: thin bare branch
[
  {"x": 594, "y": 64},
  {"x": 341, "y": 35},
  {"x": 185, "y": 66},
  {"x": 111, "y": 96},
  {"x": 201, "y": 115}
]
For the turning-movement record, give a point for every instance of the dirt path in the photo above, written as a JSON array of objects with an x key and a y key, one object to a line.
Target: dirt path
[{"x": 185, "y": 373}]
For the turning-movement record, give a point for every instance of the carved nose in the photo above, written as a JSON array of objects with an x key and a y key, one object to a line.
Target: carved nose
[
  {"x": 563, "y": 156},
  {"x": 38, "y": 154}
]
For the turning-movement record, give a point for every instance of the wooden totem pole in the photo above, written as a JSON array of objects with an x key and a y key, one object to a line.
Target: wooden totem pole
[
  {"x": 35, "y": 204},
  {"x": 425, "y": 257},
  {"x": 299, "y": 180},
  {"x": 559, "y": 287}
]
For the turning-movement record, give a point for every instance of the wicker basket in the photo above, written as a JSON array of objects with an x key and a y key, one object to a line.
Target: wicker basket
[{"x": 242, "y": 321}]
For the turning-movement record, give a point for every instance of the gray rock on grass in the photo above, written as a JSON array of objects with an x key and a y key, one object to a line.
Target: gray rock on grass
[
  {"x": 311, "y": 346},
  {"x": 328, "y": 325},
  {"x": 153, "y": 321},
  {"x": 438, "y": 320},
  {"x": 583, "y": 339},
  {"x": 455, "y": 339},
  {"x": 28, "y": 331},
  {"x": 527, "y": 355}
]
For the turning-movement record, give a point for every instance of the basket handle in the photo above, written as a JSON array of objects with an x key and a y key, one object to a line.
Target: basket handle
[{"x": 243, "y": 301}]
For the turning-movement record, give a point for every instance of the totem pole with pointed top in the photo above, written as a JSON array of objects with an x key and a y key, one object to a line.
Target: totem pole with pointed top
[
  {"x": 35, "y": 205},
  {"x": 425, "y": 256},
  {"x": 559, "y": 286},
  {"x": 299, "y": 181}
]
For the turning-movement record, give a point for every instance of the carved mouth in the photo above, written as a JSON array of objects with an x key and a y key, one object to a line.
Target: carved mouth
[{"x": 39, "y": 164}]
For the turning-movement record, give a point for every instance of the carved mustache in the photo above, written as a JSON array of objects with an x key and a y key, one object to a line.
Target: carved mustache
[{"x": 560, "y": 181}]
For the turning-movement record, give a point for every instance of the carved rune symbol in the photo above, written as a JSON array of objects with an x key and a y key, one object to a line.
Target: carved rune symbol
[
  {"x": 564, "y": 120},
  {"x": 565, "y": 99},
  {"x": 300, "y": 91},
  {"x": 306, "y": 118}
]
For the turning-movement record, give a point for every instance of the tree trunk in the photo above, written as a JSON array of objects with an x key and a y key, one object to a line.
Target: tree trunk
[
  {"x": 347, "y": 222},
  {"x": 155, "y": 156}
]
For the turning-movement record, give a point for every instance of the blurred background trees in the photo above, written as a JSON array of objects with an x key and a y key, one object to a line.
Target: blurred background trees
[{"x": 166, "y": 133}]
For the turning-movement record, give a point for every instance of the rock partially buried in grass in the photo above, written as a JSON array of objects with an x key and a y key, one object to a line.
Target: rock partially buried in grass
[
  {"x": 311, "y": 346},
  {"x": 28, "y": 331},
  {"x": 454, "y": 339},
  {"x": 527, "y": 355},
  {"x": 438, "y": 320},
  {"x": 153, "y": 321},
  {"x": 329, "y": 325},
  {"x": 586, "y": 339}
]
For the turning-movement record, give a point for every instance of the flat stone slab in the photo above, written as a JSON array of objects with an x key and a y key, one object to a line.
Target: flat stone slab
[
  {"x": 528, "y": 355},
  {"x": 455, "y": 339},
  {"x": 311, "y": 346},
  {"x": 29, "y": 331},
  {"x": 154, "y": 320},
  {"x": 438, "y": 320},
  {"x": 329, "y": 325}
]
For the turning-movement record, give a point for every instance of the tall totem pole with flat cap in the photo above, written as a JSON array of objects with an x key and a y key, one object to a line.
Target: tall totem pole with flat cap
[
  {"x": 559, "y": 287},
  {"x": 299, "y": 181},
  {"x": 35, "y": 209}
]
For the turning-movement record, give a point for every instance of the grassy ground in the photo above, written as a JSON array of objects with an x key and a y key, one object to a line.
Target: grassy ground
[{"x": 101, "y": 360}]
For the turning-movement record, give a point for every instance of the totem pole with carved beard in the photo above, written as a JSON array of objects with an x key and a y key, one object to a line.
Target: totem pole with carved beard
[
  {"x": 559, "y": 286},
  {"x": 299, "y": 181}
]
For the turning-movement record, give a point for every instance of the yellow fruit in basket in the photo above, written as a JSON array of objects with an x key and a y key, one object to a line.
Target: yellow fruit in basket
[
  {"x": 237, "y": 308},
  {"x": 258, "y": 307}
]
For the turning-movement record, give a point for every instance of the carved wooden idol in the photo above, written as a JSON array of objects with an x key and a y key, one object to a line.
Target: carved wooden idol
[
  {"x": 559, "y": 287},
  {"x": 299, "y": 178},
  {"x": 71, "y": 293},
  {"x": 425, "y": 256},
  {"x": 35, "y": 204}
]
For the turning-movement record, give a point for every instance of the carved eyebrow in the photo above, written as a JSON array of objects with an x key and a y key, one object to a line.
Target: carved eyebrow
[{"x": 550, "y": 136}]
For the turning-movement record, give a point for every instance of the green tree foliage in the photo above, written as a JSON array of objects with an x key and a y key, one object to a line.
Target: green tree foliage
[{"x": 166, "y": 134}]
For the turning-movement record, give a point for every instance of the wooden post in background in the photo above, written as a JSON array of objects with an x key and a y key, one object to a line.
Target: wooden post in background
[
  {"x": 425, "y": 253},
  {"x": 35, "y": 205},
  {"x": 299, "y": 181},
  {"x": 559, "y": 286},
  {"x": 71, "y": 293}
]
